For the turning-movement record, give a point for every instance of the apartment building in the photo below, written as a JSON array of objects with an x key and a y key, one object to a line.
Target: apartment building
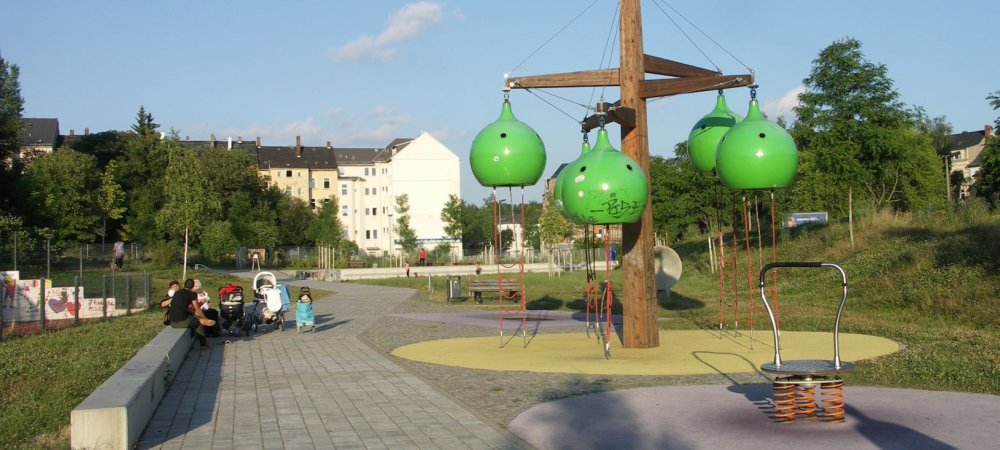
[
  {"x": 366, "y": 183},
  {"x": 966, "y": 148}
]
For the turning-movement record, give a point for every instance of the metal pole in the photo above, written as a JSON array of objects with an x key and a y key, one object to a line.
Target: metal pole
[
  {"x": 76, "y": 300},
  {"x": 104, "y": 297},
  {"x": 41, "y": 306},
  {"x": 48, "y": 258},
  {"x": 947, "y": 178}
]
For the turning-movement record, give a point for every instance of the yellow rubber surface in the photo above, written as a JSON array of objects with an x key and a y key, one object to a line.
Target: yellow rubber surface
[{"x": 681, "y": 352}]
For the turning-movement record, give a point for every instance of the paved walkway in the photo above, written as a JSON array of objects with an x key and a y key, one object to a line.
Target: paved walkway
[{"x": 279, "y": 389}]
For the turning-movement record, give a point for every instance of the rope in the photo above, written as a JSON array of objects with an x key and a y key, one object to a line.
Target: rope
[
  {"x": 553, "y": 36},
  {"x": 532, "y": 91},
  {"x": 704, "y": 34},
  {"x": 686, "y": 35}
]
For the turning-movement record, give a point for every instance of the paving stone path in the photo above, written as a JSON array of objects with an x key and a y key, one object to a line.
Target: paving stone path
[{"x": 280, "y": 389}]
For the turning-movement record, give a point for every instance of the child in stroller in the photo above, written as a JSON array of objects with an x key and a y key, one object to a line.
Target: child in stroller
[
  {"x": 275, "y": 298},
  {"x": 304, "y": 315},
  {"x": 232, "y": 311}
]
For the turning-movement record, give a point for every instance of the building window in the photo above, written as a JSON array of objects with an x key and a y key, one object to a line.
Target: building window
[
  {"x": 340, "y": 172},
  {"x": 366, "y": 211},
  {"x": 298, "y": 174},
  {"x": 368, "y": 234},
  {"x": 312, "y": 203},
  {"x": 298, "y": 191},
  {"x": 343, "y": 189},
  {"x": 312, "y": 183},
  {"x": 288, "y": 173},
  {"x": 343, "y": 210},
  {"x": 374, "y": 234},
  {"x": 326, "y": 183},
  {"x": 366, "y": 191},
  {"x": 326, "y": 200},
  {"x": 374, "y": 211},
  {"x": 288, "y": 191}
]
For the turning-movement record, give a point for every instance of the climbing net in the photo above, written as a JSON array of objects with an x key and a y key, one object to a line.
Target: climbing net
[{"x": 508, "y": 288}]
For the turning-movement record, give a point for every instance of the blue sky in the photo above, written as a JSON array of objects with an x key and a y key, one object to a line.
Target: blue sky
[{"x": 359, "y": 74}]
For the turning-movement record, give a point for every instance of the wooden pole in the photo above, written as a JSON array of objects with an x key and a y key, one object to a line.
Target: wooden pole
[{"x": 640, "y": 323}]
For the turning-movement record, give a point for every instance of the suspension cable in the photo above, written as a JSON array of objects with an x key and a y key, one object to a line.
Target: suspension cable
[{"x": 553, "y": 36}]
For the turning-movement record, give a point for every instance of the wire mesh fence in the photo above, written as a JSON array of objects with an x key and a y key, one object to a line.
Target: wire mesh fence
[{"x": 53, "y": 286}]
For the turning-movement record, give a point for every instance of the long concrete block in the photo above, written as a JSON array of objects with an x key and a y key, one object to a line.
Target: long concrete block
[{"x": 114, "y": 415}]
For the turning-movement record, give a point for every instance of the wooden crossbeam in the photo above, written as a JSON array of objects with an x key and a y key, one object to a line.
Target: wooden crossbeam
[
  {"x": 588, "y": 78},
  {"x": 666, "y": 67},
  {"x": 674, "y": 86}
]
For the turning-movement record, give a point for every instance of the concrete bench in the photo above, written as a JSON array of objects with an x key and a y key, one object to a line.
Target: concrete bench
[
  {"x": 477, "y": 287},
  {"x": 115, "y": 415}
]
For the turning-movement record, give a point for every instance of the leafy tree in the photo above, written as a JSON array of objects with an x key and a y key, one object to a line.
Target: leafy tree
[
  {"x": 60, "y": 188},
  {"x": 451, "y": 215},
  {"x": 994, "y": 100},
  {"x": 293, "y": 224},
  {"x": 986, "y": 183},
  {"x": 105, "y": 146},
  {"x": 109, "y": 196},
  {"x": 11, "y": 107},
  {"x": 218, "y": 243},
  {"x": 682, "y": 197},
  {"x": 987, "y": 179},
  {"x": 188, "y": 204},
  {"x": 553, "y": 227},
  {"x": 851, "y": 117},
  {"x": 326, "y": 228},
  {"x": 407, "y": 235}
]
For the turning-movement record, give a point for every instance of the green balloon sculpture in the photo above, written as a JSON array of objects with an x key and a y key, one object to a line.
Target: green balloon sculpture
[
  {"x": 756, "y": 154},
  {"x": 557, "y": 190},
  {"x": 507, "y": 152},
  {"x": 707, "y": 132},
  {"x": 604, "y": 186}
]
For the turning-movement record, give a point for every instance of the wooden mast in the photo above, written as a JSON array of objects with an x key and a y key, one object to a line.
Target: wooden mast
[
  {"x": 640, "y": 328},
  {"x": 640, "y": 322}
]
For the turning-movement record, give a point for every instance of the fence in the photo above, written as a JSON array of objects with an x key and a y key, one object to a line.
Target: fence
[{"x": 53, "y": 286}]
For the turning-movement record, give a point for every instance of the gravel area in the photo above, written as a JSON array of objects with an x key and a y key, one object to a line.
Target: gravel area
[{"x": 501, "y": 396}]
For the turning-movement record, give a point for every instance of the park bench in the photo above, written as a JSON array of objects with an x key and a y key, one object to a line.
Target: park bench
[
  {"x": 477, "y": 287},
  {"x": 357, "y": 265}
]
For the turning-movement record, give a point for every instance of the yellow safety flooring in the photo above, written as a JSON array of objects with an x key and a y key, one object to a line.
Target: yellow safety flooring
[{"x": 681, "y": 352}]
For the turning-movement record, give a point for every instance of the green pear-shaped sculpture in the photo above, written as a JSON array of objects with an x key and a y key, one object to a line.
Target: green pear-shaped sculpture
[
  {"x": 561, "y": 179},
  {"x": 707, "y": 132},
  {"x": 507, "y": 152},
  {"x": 756, "y": 154},
  {"x": 604, "y": 186}
]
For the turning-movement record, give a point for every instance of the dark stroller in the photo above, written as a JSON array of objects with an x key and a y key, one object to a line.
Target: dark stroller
[{"x": 231, "y": 310}]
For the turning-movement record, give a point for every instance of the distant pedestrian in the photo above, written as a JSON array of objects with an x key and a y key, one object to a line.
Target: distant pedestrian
[
  {"x": 407, "y": 266},
  {"x": 119, "y": 255},
  {"x": 422, "y": 256},
  {"x": 479, "y": 269}
]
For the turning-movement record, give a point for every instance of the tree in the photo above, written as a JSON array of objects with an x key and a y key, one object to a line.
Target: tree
[
  {"x": 407, "y": 235},
  {"x": 326, "y": 228},
  {"x": 850, "y": 116},
  {"x": 553, "y": 227},
  {"x": 109, "y": 197},
  {"x": 144, "y": 125},
  {"x": 986, "y": 183},
  {"x": 60, "y": 191},
  {"x": 188, "y": 205},
  {"x": 11, "y": 107},
  {"x": 452, "y": 217}
]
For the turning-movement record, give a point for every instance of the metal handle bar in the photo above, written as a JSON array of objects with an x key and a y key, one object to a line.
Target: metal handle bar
[{"x": 840, "y": 309}]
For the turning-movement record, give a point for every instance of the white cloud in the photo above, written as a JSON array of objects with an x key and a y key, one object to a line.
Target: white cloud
[
  {"x": 784, "y": 105},
  {"x": 407, "y": 23}
]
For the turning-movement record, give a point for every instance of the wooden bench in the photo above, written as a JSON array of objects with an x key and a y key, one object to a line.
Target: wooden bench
[
  {"x": 357, "y": 265},
  {"x": 477, "y": 287}
]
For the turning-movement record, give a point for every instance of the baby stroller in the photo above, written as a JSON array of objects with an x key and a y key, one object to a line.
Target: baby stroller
[
  {"x": 231, "y": 310},
  {"x": 275, "y": 298}
]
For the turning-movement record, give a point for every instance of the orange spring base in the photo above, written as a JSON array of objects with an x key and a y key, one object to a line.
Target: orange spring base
[
  {"x": 797, "y": 400},
  {"x": 833, "y": 400}
]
